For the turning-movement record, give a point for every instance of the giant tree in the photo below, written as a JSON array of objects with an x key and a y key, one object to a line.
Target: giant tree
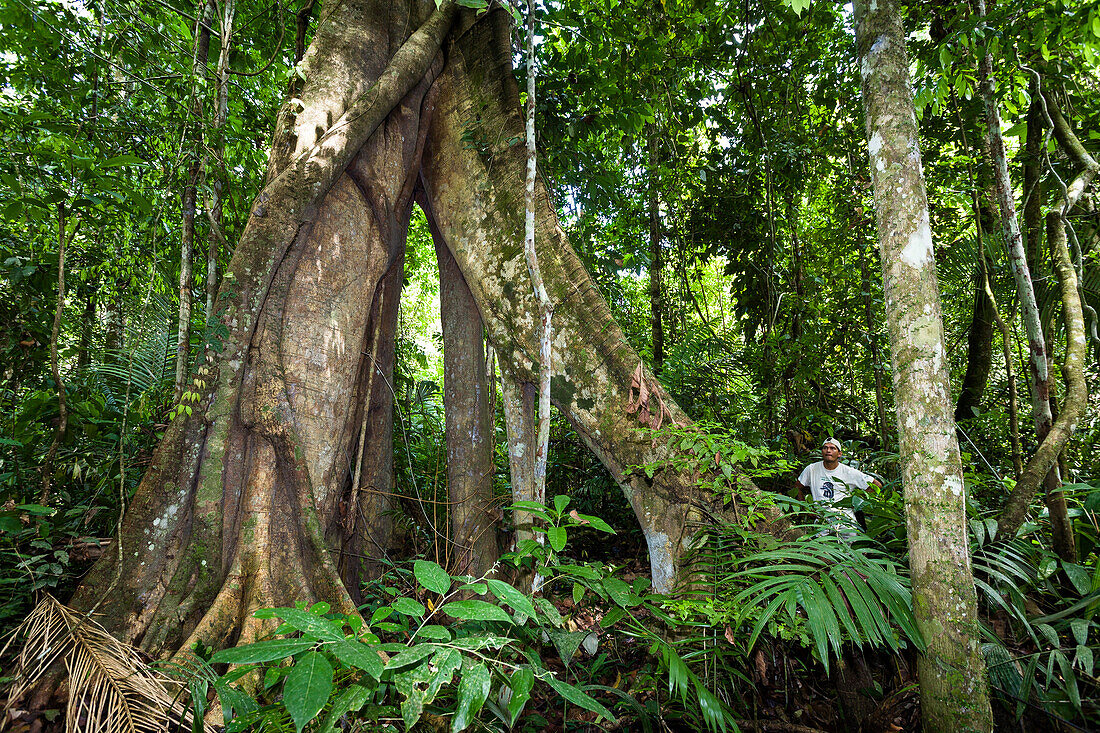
[
  {"x": 953, "y": 685},
  {"x": 249, "y": 500}
]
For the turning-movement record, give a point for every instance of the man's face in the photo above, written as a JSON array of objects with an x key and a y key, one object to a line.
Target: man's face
[{"x": 830, "y": 453}]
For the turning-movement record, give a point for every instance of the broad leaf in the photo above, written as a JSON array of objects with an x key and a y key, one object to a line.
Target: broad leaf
[
  {"x": 474, "y": 610},
  {"x": 307, "y": 688},
  {"x": 432, "y": 576}
]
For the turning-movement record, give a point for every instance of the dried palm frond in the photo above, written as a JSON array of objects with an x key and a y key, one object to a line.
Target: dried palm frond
[{"x": 111, "y": 689}]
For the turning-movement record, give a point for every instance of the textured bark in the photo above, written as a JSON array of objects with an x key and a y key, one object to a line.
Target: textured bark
[
  {"x": 245, "y": 500},
  {"x": 519, "y": 421},
  {"x": 954, "y": 689},
  {"x": 469, "y": 426}
]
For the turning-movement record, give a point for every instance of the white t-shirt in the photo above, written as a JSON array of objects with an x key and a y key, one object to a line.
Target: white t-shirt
[{"x": 830, "y": 485}]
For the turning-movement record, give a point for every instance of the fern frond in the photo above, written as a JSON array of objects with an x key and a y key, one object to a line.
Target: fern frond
[{"x": 111, "y": 689}]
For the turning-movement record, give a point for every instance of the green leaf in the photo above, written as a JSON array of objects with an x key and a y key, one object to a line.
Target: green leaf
[
  {"x": 261, "y": 651},
  {"x": 560, "y": 502},
  {"x": 474, "y": 610},
  {"x": 351, "y": 700},
  {"x": 1080, "y": 629},
  {"x": 520, "y": 683},
  {"x": 579, "y": 698},
  {"x": 1079, "y": 576},
  {"x": 620, "y": 592},
  {"x": 557, "y": 537},
  {"x": 508, "y": 594},
  {"x": 310, "y": 623},
  {"x": 567, "y": 643},
  {"x": 409, "y": 607},
  {"x": 411, "y": 655},
  {"x": 307, "y": 688},
  {"x": 358, "y": 655},
  {"x": 549, "y": 611},
  {"x": 596, "y": 522},
  {"x": 121, "y": 160},
  {"x": 472, "y": 691},
  {"x": 434, "y": 632},
  {"x": 432, "y": 576}
]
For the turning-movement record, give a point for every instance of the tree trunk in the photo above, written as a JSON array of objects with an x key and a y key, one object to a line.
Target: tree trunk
[
  {"x": 241, "y": 497},
  {"x": 979, "y": 352},
  {"x": 190, "y": 194},
  {"x": 872, "y": 342},
  {"x": 1042, "y": 467},
  {"x": 954, "y": 690},
  {"x": 55, "y": 368},
  {"x": 519, "y": 421},
  {"x": 246, "y": 501},
  {"x": 469, "y": 426},
  {"x": 656, "y": 261},
  {"x": 220, "y": 175}
]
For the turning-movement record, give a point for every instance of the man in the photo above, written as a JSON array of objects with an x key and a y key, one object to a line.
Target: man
[{"x": 829, "y": 480}]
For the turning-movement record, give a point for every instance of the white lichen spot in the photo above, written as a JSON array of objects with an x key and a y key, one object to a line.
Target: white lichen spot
[
  {"x": 954, "y": 484},
  {"x": 874, "y": 145},
  {"x": 918, "y": 252}
]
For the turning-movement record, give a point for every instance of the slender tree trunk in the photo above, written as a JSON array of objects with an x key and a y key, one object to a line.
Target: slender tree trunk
[
  {"x": 84, "y": 351},
  {"x": 519, "y": 421},
  {"x": 469, "y": 427},
  {"x": 219, "y": 174},
  {"x": 656, "y": 261},
  {"x": 55, "y": 368},
  {"x": 1042, "y": 467},
  {"x": 545, "y": 306},
  {"x": 954, "y": 689},
  {"x": 1018, "y": 256},
  {"x": 189, "y": 195},
  {"x": 870, "y": 329}
]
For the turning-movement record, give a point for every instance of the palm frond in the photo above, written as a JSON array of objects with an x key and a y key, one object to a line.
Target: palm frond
[{"x": 111, "y": 689}]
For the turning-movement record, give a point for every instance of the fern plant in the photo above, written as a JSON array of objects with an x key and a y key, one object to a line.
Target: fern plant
[{"x": 829, "y": 588}]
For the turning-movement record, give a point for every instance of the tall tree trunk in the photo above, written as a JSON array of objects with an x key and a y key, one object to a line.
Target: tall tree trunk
[
  {"x": 1018, "y": 259},
  {"x": 656, "y": 261},
  {"x": 190, "y": 193},
  {"x": 530, "y": 252},
  {"x": 596, "y": 373},
  {"x": 469, "y": 426},
  {"x": 953, "y": 687},
  {"x": 219, "y": 174},
  {"x": 55, "y": 368},
  {"x": 1054, "y": 439},
  {"x": 242, "y": 495}
]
